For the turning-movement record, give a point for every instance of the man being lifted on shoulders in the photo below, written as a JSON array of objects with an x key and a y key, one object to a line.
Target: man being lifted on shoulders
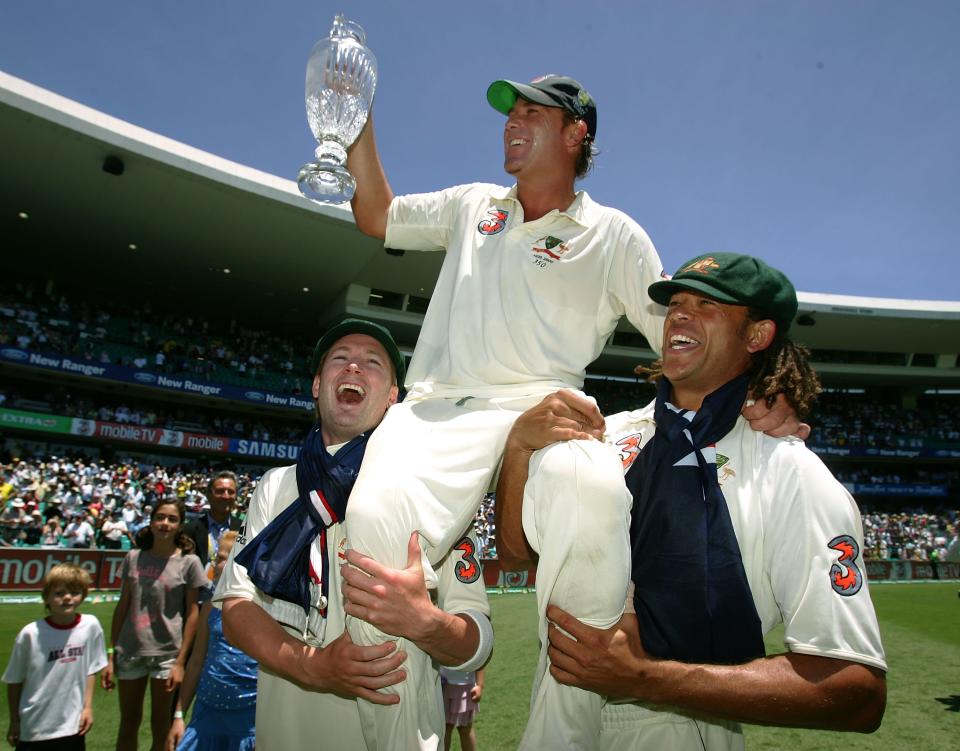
[{"x": 535, "y": 279}]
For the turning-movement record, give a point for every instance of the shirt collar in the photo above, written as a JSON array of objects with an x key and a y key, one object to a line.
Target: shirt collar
[{"x": 580, "y": 211}]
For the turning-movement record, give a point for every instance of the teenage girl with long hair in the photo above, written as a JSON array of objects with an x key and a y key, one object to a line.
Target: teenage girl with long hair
[{"x": 154, "y": 624}]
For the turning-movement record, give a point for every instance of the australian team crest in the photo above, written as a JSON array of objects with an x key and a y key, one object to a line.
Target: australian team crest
[
  {"x": 724, "y": 472},
  {"x": 495, "y": 224},
  {"x": 702, "y": 265},
  {"x": 548, "y": 249}
]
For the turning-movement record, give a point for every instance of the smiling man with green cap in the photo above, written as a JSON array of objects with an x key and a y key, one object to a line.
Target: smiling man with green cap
[
  {"x": 731, "y": 532},
  {"x": 535, "y": 279},
  {"x": 283, "y": 591}
]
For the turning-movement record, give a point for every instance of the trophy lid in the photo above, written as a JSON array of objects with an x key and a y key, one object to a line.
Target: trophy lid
[{"x": 344, "y": 27}]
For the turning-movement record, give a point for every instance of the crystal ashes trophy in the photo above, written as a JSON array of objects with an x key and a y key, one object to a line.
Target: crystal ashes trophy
[{"x": 341, "y": 79}]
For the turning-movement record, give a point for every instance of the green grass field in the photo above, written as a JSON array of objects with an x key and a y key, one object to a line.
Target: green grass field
[{"x": 920, "y": 633}]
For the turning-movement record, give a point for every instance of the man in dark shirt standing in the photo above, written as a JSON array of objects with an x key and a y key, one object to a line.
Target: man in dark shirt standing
[{"x": 205, "y": 531}]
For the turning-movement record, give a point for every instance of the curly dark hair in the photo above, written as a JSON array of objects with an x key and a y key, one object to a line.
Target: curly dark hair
[
  {"x": 782, "y": 368},
  {"x": 144, "y": 539}
]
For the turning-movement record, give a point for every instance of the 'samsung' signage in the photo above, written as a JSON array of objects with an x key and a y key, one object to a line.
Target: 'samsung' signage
[{"x": 264, "y": 449}]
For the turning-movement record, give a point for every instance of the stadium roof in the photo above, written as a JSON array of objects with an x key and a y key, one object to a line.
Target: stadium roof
[{"x": 90, "y": 199}]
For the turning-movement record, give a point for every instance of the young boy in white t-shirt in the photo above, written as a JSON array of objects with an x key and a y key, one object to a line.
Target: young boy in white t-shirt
[{"x": 52, "y": 670}]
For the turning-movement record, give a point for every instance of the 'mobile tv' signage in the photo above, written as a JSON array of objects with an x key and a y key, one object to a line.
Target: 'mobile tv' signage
[
  {"x": 24, "y": 568},
  {"x": 148, "y": 436}
]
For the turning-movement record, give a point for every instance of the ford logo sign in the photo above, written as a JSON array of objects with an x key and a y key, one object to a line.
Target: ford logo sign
[
  {"x": 145, "y": 377},
  {"x": 14, "y": 354},
  {"x": 255, "y": 396}
]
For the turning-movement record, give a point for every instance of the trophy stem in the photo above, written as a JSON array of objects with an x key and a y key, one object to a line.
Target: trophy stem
[
  {"x": 327, "y": 179},
  {"x": 331, "y": 151}
]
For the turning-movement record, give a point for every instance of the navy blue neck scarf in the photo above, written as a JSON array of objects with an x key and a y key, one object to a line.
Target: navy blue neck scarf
[
  {"x": 278, "y": 559},
  {"x": 691, "y": 595}
]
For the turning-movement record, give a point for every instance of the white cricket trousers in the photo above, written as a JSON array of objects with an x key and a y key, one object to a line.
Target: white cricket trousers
[
  {"x": 628, "y": 727},
  {"x": 290, "y": 717},
  {"x": 576, "y": 515},
  {"x": 426, "y": 468}
]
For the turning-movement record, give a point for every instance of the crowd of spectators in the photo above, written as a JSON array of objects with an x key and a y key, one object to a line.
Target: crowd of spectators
[
  {"x": 80, "y": 502},
  {"x": 484, "y": 525},
  {"x": 77, "y": 502},
  {"x": 838, "y": 419},
  {"x": 852, "y": 420},
  {"x": 618, "y": 395},
  {"x": 134, "y": 335},
  {"x": 915, "y": 536}
]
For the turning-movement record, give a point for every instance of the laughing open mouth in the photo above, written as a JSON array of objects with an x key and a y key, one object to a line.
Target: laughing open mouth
[
  {"x": 682, "y": 341},
  {"x": 351, "y": 393}
]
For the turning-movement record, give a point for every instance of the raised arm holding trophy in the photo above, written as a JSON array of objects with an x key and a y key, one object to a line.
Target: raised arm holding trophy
[{"x": 504, "y": 329}]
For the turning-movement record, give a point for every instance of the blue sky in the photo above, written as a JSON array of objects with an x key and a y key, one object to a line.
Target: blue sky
[{"x": 822, "y": 136}]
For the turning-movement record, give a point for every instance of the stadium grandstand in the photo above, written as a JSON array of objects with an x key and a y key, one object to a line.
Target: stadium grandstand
[{"x": 160, "y": 305}]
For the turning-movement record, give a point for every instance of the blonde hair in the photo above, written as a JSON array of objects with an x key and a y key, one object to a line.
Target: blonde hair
[
  {"x": 229, "y": 537},
  {"x": 67, "y": 575},
  {"x": 224, "y": 544}
]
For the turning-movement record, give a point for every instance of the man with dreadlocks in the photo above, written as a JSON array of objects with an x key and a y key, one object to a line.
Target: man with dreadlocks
[{"x": 731, "y": 533}]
